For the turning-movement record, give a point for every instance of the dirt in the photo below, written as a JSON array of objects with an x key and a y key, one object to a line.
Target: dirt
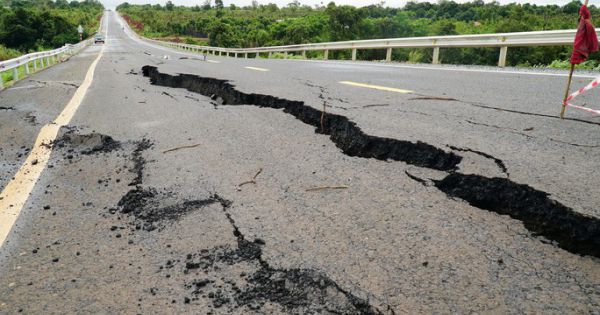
[
  {"x": 86, "y": 143},
  {"x": 145, "y": 205},
  {"x": 139, "y": 162}
]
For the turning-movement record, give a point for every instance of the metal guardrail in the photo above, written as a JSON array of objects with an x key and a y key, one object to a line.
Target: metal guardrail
[
  {"x": 50, "y": 57},
  {"x": 501, "y": 40}
]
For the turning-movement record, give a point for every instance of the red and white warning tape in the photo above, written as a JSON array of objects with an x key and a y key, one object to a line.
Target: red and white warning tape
[{"x": 588, "y": 87}]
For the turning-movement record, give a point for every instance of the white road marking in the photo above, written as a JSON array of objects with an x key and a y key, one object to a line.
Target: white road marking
[
  {"x": 213, "y": 61},
  {"x": 376, "y": 87},
  {"x": 17, "y": 191},
  {"x": 257, "y": 69}
]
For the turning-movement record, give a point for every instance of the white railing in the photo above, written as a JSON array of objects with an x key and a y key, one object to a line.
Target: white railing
[
  {"x": 39, "y": 60},
  {"x": 501, "y": 40}
]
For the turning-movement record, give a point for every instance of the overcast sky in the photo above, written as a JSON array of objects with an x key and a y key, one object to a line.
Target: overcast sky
[{"x": 391, "y": 3}]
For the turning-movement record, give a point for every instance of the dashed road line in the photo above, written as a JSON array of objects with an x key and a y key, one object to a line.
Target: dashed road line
[
  {"x": 376, "y": 87},
  {"x": 213, "y": 61},
  {"x": 257, "y": 69}
]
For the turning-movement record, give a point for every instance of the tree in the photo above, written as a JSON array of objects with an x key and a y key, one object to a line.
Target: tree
[
  {"x": 169, "y": 5},
  {"x": 344, "y": 21},
  {"x": 219, "y": 4},
  {"x": 206, "y": 6}
]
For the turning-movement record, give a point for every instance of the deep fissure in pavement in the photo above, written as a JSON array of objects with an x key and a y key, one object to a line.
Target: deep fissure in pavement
[
  {"x": 541, "y": 215},
  {"x": 580, "y": 234},
  {"x": 344, "y": 133}
]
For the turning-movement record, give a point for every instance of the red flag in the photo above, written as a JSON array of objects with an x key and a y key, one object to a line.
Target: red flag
[{"x": 586, "y": 40}]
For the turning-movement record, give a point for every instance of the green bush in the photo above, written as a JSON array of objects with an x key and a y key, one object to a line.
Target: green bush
[
  {"x": 8, "y": 53},
  {"x": 415, "y": 56},
  {"x": 270, "y": 25}
]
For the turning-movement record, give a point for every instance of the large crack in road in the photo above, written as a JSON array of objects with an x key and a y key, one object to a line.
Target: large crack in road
[
  {"x": 295, "y": 290},
  {"x": 572, "y": 231},
  {"x": 344, "y": 133}
]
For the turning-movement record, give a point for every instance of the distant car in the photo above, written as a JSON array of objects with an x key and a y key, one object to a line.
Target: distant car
[{"x": 98, "y": 39}]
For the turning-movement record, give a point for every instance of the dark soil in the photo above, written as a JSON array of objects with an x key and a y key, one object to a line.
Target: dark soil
[
  {"x": 86, "y": 143},
  {"x": 139, "y": 162},
  {"x": 145, "y": 206}
]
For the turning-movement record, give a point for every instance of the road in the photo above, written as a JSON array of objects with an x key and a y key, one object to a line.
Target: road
[{"x": 252, "y": 186}]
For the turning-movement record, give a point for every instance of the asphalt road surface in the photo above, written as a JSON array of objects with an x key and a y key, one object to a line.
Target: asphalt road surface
[{"x": 251, "y": 186}]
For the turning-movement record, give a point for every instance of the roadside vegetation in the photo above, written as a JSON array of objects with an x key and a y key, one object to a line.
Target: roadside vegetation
[
  {"x": 223, "y": 25},
  {"x": 34, "y": 25}
]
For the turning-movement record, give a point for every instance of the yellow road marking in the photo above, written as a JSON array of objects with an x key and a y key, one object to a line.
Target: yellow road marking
[
  {"x": 17, "y": 191},
  {"x": 377, "y": 87},
  {"x": 213, "y": 61},
  {"x": 257, "y": 69}
]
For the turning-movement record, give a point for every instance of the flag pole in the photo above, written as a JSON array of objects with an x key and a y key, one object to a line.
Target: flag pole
[{"x": 564, "y": 105}]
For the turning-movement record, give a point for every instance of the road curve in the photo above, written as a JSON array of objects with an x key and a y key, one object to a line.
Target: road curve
[{"x": 252, "y": 186}]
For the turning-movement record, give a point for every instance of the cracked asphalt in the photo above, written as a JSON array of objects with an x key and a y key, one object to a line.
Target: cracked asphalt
[{"x": 141, "y": 207}]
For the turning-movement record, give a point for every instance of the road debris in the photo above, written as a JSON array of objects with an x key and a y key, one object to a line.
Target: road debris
[
  {"x": 328, "y": 187},
  {"x": 253, "y": 180},
  {"x": 433, "y": 98},
  {"x": 182, "y": 147}
]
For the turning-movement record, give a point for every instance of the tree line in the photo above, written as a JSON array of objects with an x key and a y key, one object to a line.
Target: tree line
[
  {"x": 32, "y": 25},
  {"x": 270, "y": 25}
]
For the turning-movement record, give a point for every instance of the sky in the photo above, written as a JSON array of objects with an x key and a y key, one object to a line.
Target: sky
[{"x": 357, "y": 3}]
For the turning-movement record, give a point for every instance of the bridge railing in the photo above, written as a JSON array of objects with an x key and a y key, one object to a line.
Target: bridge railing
[{"x": 500, "y": 40}]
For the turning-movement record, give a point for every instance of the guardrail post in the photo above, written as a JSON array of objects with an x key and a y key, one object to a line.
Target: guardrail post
[
  {"x": 47, "y": 61},
  {"x": 353, "y": 54},
  {"x": 502, "y": 59},
  {"x": 27, "y": 67},
  {"x": 304, "y": 54},
  {"x": 1, "y": 82},
  {"x": 326, "y": 54},
  {"x": 285, "y": 55},
  {"x": 436, "y": 56},
  {"x": 246, "y": 55},
  {"x": 270, "y": 54},
  {"x": 34, "y": 65},
  {"x": 15, "y": 74},
  {"x": 388, "y": 55}
]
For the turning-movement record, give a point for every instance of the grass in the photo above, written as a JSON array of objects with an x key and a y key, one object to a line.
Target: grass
[
  {"x": 565, "y": 64},
  {"x": 8, "y": 53}
]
